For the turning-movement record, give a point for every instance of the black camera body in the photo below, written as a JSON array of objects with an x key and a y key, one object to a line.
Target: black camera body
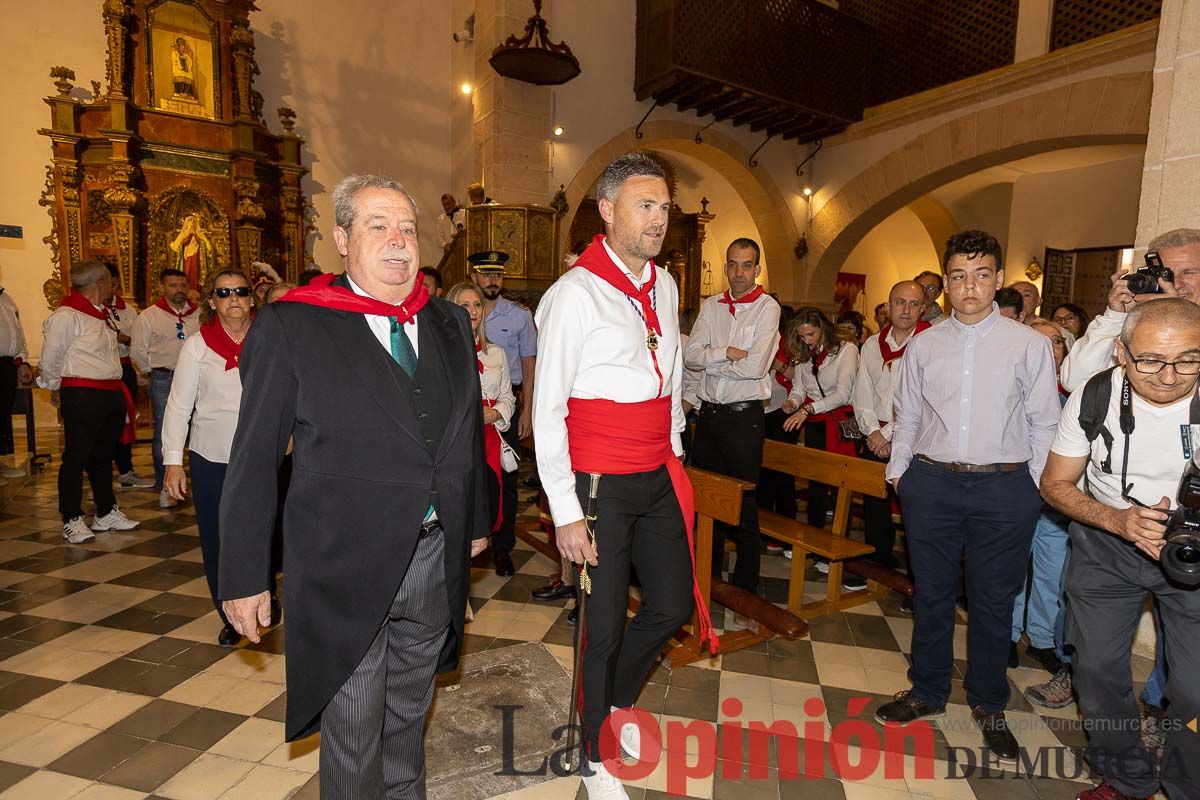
[
  {"x": 1181, "y": 553},
  {"x": 1145, "y": 280}
]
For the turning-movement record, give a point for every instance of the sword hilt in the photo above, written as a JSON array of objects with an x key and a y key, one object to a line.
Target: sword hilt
[{"x": 585, "y": 580}]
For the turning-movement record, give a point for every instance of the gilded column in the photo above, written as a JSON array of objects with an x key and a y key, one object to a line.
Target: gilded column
[
  {"x": 115, "y": 16},
  {"x": 241, "y": 39},
  {"x": 250, "y": 215}
]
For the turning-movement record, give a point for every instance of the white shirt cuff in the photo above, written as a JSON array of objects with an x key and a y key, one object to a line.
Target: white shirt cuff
[{"x": 565, "y": 509}]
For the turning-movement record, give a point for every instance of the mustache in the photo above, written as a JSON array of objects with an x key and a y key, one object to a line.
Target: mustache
[{"x": 398, "y": 255}]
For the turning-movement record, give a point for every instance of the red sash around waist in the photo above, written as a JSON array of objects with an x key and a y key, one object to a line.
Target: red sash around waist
[
  {"x": 114, "y": 385},
  {"x": 834, "y": 443},
  {"x": 491, "y": 453},
  {"x": 623, "y": 438}
]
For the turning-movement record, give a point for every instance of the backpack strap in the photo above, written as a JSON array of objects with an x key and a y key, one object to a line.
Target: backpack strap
[{"x": 1097, "y": 393}]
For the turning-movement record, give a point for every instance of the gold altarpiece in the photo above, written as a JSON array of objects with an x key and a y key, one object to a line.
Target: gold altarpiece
[{"x": 172, "y": 164}]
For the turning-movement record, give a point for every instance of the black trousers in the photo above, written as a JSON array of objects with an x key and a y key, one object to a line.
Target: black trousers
[
  {"x": 985, "y": 520},
  {"x": 92, "y": 423},
  {"x": 1107, "y": 582},
  {"x": 637, "y": 523},
  {"x": 124, "y": 452},
  {"x": 777, "y": 490},
  {"x": 820, "y": 496},
  {"x": 8, "y": 393},
  {"x": 505, "y": 539},
  {"x": 731, "y": 443},
  {"x": 208, "y": 480},
  {"x": 879, "y": 529}
]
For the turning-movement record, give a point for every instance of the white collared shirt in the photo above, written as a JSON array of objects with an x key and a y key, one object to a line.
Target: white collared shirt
[
  {"x": 836, "y": 380},
  {"x": 496, "y": 384},
  {"x": 124, "y": 320},
  {"x": 875, "y": 385},
  {"x": 204, "y": 403},
  {"x": 156, "y": 342},
  {"x": 753, "y": 327},
  {"x": 382, "y": 326},
  {"x": 448, "y": 225},
  {"x": 12, "y": 335},
  {"x": 76, "y": 345},
  {"x": 592, "y": 345}
]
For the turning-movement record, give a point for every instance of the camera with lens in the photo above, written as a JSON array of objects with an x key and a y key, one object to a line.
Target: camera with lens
[
  {"x": 1145, "y": 280},
  {"x": 1181, "y": 553}
]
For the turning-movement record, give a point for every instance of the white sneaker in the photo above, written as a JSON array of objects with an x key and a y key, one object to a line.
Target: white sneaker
[
  {"x": 631, "y": 738},
  {"x": 602, "y": 784},
  {"x": 787, "y": 553},
  {"x": 114, "y": 520},
  {"x": 131, "y": 480},
  {"x": 76, "y": 531},
  {"x": 165, "y": 500},
  {"x": 823, "y": 567}
]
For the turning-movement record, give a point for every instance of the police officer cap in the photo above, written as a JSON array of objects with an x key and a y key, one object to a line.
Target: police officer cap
[{"x": 488, "y": 261}]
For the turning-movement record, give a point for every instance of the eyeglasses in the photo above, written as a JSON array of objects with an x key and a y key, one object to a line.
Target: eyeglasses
[
  {"x": 224, "y": 292},
  {"x": 1153, "y": 366},
  {"x": 179, "y": 334},
  {"x": 1062, "y": 319}
]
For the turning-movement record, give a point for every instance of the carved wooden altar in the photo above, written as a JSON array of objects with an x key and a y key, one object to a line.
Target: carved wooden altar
[
  {"x": 172, "y": 165},
  {"x": 527, "y": 232}
]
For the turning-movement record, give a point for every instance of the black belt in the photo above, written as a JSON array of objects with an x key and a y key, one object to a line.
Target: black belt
[
  {"x": 707, "y": 408},
  {"x": 954, "y": 466},
  {"x": 429, "y": 528}
]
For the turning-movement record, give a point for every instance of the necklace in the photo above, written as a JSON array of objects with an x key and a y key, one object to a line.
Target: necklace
[
  {"x": 651, "y": 334},
  {"x": 230, "y": 335}
]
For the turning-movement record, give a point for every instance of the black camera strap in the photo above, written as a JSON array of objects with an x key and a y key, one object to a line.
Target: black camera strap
[{"x": 1127, "y": 423}]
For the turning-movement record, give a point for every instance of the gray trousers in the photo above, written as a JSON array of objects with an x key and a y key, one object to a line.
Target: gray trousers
[
  {"x": 1107, "y": 582},
  {"x": 372, "y": 731}
]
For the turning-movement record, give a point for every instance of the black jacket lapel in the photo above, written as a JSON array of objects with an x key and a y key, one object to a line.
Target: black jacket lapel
[{"x": 442, "y": 333}]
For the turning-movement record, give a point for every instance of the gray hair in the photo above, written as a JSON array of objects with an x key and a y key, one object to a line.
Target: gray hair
[
  {"x": 1179, "y": 237},
  {"x": 622, "y": 168},
  {"x": 346, "y": 192},
  {"x": 1170, "y": 311},
  {"x": 86, "y": 273},
  {"x": 1067, "y": 337}
]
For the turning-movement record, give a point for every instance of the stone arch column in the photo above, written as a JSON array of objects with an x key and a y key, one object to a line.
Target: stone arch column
[
  {"x": 1113, "y": 109},
  {"x": 766, "y": 204}
]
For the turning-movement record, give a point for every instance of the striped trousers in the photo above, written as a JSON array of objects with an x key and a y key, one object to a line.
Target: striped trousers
[{"x": 372, "y": 731}]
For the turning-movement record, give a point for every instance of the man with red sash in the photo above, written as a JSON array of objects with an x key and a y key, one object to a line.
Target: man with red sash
[
  {"x": 80, "y": 365},
  {"x": 158, "y": 336},
  {"x": 377, "y": 386},
  {"x": 878, "y": 366},
  {"x": 607, "y": 402},
  {"x": 732, "y": 344}
]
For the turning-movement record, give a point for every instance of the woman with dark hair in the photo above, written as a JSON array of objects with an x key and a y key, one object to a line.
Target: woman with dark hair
[
  {"x": 202, "y": 410},
  {"x": 1071, "y": 318},
  {"x": 820, "y": 399},
  {"x": 853, "y": 326}
]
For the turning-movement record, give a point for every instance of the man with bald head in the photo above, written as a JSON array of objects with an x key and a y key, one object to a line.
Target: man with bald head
[
  {"x": 878, "y": 366},
  {"x": 1031, "y": 296}
]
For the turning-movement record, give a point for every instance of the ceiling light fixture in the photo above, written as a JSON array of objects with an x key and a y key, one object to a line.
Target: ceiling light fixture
[{"x": 465, "y": 88}]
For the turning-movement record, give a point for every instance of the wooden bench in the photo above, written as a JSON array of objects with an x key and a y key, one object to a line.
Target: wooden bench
[{"x": 848, "y": 474}]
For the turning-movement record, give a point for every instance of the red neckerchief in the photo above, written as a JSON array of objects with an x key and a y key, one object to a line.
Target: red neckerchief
[
  {"x": 885, "y": 350},
  {"x": 595, "y": 259},
  {"x": 118, "y": 302},
  {"x": 750, "y": 297},
  {"x": 221, "y": 343},
  {"x": 321, "y": 292},
  {"x": 165, "y": 306},
  {"x": 782, "y": 355},
  {"x": 84, "y": 306},
  {"x": 819, "y": 358},
  {"x": 478, "y": 350}
]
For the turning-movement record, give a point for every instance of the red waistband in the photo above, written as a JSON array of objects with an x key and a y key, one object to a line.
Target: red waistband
[
  {"x": 129, "y": 432},
  {"x": 619, "y": 438},
  {"x": 113, "y": 385}
]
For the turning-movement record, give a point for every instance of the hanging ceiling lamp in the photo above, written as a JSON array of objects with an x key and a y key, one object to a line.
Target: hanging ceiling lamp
[{"x": 543, "y": 63}]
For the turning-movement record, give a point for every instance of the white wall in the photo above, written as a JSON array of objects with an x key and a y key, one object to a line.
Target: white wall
[
  {"x": 896, "y": 249},
  {"x": 370, "y": 81},
  {"x": 987, "y": 209}
]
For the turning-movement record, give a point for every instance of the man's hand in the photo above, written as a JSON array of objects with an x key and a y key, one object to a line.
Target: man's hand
[
  {"x": 789, "y": 406},
  {"x": 24, "y": 375},
  {"x": 574, "y": 544},
  {"x": 884, "y": 452},
  {"x": 1144, "y": 527},
  {"x": 735, "y": 353},
  {"x": 794, "y": 422},
  {"x": 490, "y": 415},
  {"x": 478, "y": 545},
  {"x": 525, "y": 422},
  {"x": 248, "y": 613},
  {"x": 875, "y": 441},
  {"x": 175, "y": 482},
  {"x": 1121, "y": 299}
]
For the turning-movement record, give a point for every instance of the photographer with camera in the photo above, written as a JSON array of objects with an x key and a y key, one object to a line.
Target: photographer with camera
[
  {"x": 1178, "y": 276},
  {"x": 1131, "y": 459}
]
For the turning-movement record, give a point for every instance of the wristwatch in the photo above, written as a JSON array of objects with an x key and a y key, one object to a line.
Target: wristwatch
[{"x": 807, "y": 409}]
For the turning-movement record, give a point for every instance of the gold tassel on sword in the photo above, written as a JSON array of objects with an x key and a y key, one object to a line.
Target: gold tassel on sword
[{"x": 584, "y": 586}]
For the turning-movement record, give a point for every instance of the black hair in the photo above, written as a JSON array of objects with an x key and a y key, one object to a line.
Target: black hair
[
  {"x": 171, "y": 273},
  {"x": 1008, "y": 297},
  {"x": 973, "y": 244},
  {"x": 743, "y": 241},
  {"x": 434, "y": 273}
]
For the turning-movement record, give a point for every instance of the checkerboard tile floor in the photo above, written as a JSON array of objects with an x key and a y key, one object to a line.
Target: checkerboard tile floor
[{"x": 112, "y": 686}]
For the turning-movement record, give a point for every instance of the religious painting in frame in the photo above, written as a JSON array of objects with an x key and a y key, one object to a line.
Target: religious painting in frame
[{"x": 184, "y": 74}]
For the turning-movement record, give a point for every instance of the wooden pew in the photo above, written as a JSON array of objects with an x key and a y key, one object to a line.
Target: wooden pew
[{"x": 843, "y": 472}]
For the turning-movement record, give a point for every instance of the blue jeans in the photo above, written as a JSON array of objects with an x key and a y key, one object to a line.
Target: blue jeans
[
  {"x": 1152, "y": 694},
  {"x": 160, "y": 390},
  {"x": 1044, "y": 623}
]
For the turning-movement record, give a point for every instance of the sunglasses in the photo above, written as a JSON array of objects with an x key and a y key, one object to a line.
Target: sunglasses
[{"x": 224, "y": 292}]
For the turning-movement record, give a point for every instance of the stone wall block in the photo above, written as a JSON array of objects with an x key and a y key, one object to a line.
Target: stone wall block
[{"x": 1183, "y": 119}]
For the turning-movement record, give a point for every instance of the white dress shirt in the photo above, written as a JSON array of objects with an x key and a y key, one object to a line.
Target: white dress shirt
[
  {"x": 836, "y": 376},
  {"x": 875, "y": 386},
  {"x": 75, "y": 345},
  {"x": 976, "y": 394},
  {"x": 447, "y": 226},
  {"x": 753, "y": 327},
  {"x": 689, "y": 391},
  {"x": 12, "y": 335},
  {"x": 124, "y": 319},
  {"x": 156, "y": 343},
  {"x": 496, "y": 384},
  {"x": 593, "y": 346},
  {"x": 1093, "y": 352},
  {"x": 205, "y": 398},
  {"x": 382, "y": 326}
]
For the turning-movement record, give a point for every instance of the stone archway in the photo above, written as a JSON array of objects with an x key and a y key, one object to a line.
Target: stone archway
[
  {"x": 1113, "y": 109},
  {"x": 757, "y": 190}
]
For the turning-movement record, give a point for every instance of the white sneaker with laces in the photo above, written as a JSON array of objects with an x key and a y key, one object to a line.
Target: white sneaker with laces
[
  {"x": 631, "y": 738},
  {"x": 131, "y": 480},
  {"x": 114, "y": 520},
  {"x": 602, "y": 784},
  {"x": 75, "y": 531},
  {"x": 823, "y": 567},
  {"x": 165, "y": 500}
]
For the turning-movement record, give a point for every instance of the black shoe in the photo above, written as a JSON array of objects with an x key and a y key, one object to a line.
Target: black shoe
[
  {"x": 852, "y": 583},
  {"x": 1013, "y": 658},
  {"x": 906, "y": 606},
  {"x": 533, "y": 482},
  {"x": 996, "y": 735},
  {"x": 228, "y": 637},
  {"x": 573, "y": 616},
  {"x": 907, "y": 707},
  {"x": 1046, "y": 657},
  {"x": 276, "y": 611},
  {"x": 554, "y": 590},
  {"x": 504, "y": 565}
]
